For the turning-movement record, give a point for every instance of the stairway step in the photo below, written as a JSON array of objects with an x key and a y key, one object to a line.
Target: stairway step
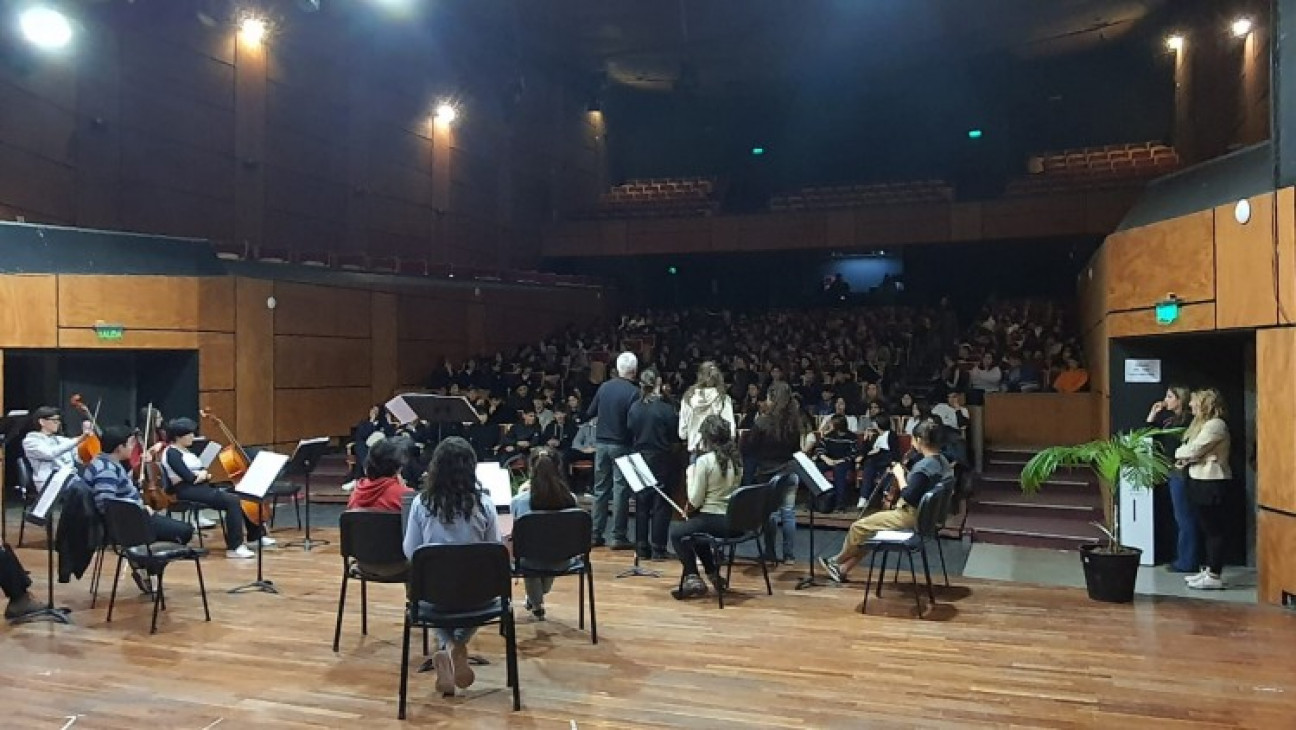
[
  {"x": 1039, "y": 531},
  {"x": 1014, "y": 482}
]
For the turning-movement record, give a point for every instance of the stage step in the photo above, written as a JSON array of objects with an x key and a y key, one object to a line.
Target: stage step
[
  {"x": 1044, "y": 531},
  {"x": 1058, "y": 516}
]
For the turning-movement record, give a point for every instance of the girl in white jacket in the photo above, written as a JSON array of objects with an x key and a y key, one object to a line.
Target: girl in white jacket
[{"x": 707, "y": 397}]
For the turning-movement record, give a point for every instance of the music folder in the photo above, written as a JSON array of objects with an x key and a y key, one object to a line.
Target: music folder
[
  {"x": 261, "y": 474},
  {"x": 209, "y": 453},
  {"x": 640, "y": 477},
  {"x": 810, "y": 474}
]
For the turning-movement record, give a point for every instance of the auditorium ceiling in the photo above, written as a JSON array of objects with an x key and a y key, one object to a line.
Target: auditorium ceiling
[{"x": 722, "y": 46}]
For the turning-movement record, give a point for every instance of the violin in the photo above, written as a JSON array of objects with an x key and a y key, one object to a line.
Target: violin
[
  {"x": 90, "y": 446},
  {"x": 898, "y": 480},
  {"x": 234, "y": 461}
]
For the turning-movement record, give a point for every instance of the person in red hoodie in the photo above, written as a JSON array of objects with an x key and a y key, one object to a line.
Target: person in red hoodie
[{"x": 381, "y": 489}]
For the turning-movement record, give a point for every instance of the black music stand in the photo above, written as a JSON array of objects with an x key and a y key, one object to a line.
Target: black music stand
[
  {"x": 265, "y": 467},
  {"x": 40, "y": 517},
  {"x": 10, "y": 425},
  {"x": 438, "y": 409},
  {"x": 640, "y": 477},
  {"x": 304, "y": 459},
  {"x": 809, "y": 475}
]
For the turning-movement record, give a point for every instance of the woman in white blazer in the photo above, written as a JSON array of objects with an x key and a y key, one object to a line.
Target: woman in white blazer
[{"x": 1205, "y": 454}]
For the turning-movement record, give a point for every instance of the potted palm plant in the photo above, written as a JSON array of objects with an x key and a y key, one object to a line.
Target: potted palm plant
[{"x": 1132, "y": 458}]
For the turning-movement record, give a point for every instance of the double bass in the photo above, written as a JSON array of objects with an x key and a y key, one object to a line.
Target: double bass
[
  {"x": 90, "y": 446},
  {"x": 234, "y": 462}
]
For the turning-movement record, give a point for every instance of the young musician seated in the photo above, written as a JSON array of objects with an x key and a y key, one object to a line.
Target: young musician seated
[
  {"x": 381, "y": 490},
  {"x": 152, "y": 428},
  {"x": 14, "y": 582},
  {"x": 190, "y": 482},
  {"x": 836, "y": 450},
  {"x": 712, "y": 479},
  {"x": 520, "y": 439},
  {"x": 925, "y": 475},
  {"x": 46, "y": 451},
  {"x": 881, "y": 454},
  {"x": 585, "y": 443},
  {"x": 107, "y": 476},
  {"x": 451, "y": 510},
  {"x": 546, "y": 491}
]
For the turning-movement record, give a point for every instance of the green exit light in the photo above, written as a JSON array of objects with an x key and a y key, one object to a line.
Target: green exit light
[
  {"x": 1167, "y": 312},
  {"x": 672, "y": 271},
  {"x": 974, "y": 134},
  {"x": 758, "y": 151},
  {"x": 110, "y": 331}
]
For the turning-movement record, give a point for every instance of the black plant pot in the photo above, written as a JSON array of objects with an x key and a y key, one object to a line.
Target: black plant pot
[{"x": 1110, "y": 577}]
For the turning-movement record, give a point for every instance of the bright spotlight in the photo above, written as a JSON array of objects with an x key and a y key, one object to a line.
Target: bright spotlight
[
  {"x": 45, "y": 27},
  {"x": 252, "y": 30},
  {"x": 1241, "y": 27},
  {"x": 446, "y": 113},
  {"x": 1175, "y": 42}
]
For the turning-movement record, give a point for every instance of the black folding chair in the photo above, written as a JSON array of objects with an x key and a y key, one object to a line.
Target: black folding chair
[
  {"x": 747, "y": 519},
  {"x": 27, "y": 491},
  {"x": 913, "y": 542},
  {"x": 368, "y": 538},
  {"x": 132, "y": 538},
  {"x": 552, "y": 538},
  {"x": 285, "y": 490},
  {"x": 459, "y": 587}
]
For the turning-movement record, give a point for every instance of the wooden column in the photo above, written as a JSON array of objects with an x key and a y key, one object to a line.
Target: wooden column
[{"x": 254, "y": 369}]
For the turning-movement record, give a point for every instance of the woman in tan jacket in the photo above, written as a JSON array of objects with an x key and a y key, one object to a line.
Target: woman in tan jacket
[{"x": 1205, "y": 453}]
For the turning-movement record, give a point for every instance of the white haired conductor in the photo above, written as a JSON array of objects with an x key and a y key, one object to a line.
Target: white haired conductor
[{"x": 611, "y": 405}]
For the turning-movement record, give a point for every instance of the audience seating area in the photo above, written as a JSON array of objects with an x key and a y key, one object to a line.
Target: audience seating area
[
  {"x": 858, "y": 196},
  {"x": 658, "y": 198},
  {"x": 362, "y": 263},
  {"x": 1088, "y": 168}
]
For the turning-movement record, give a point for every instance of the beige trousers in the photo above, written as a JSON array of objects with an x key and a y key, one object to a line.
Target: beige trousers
[{"x": 903, "y": 517}]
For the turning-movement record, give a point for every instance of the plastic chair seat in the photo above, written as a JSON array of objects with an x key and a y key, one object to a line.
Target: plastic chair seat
[
  {"x": 162, "y": 552},
  {"x": 358, "y": 572}
]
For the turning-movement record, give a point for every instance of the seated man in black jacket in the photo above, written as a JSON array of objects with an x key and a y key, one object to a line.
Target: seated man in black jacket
[
  {"x": 560, "y": 434},
  {"x": 520, "y": 439}
]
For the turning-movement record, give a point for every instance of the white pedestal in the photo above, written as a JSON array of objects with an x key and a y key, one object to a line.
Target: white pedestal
[{"x": 1137, "y": 521}]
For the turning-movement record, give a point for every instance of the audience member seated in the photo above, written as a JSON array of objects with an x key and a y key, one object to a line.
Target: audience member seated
[
  {"x": 520, "y": 439},
  {"x": 1022, "y": 376},
  {"x": 376, "y": 427},
  {"x": 382, "y": 489},
  {"x": 986, "y": 375},
  {"x": 451, "y": 510},
  {"x": 586, "y": 442},
  {"x": 925, "y": 475},
  {"x": 836, "y": 449},
  {"x": 712, "y": 480},
  {"x": 545, "y": 491},
  {"x": 1073, "y": 379},
  {"x": 882, "y": 453}
]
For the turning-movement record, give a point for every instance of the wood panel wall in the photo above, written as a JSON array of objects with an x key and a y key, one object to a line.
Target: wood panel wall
[
  {"x": 1090, "y": 214},
  {"x": 1235, "y": 276},
  {"x": 318, "y": 140},
  {"x": 1040, "y": 419},
  {"x": 308, "y": 366}
]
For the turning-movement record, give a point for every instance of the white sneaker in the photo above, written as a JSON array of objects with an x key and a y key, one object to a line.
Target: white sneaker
[
  {"x": 1207, "y": 582},
  {"x": 205, "y": 523},
  {"x": 268, "y": 541},
  {"x": 862, "y": 503},
  {"x": 240, "y": 552},
  {"x": 349, "y": 486},
  {"x": 1195, "y": 576}
]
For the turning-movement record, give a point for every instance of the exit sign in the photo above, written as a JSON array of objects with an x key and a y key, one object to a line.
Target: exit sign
[
  {"x": 1167, "y": 311},
  {"x": 109, "y": 332}
]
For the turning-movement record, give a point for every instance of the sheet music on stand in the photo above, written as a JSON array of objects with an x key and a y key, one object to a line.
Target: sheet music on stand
[
  {"x": 640, "y": 477},
  {"x": 494, "y": 480},
  {"x": 261, "y": 474},
  {"x": 401, "y": 410},
  {"x": 209, "y": 453},
  {"x": 50, "y": 494},
  {"x": 810, "y": 474}
]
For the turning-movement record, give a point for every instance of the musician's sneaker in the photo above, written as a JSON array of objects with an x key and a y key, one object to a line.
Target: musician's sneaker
[
  {"x": 205, "y": 523},
  {"x": 832, "y": 569},
  {"x": 240, "y": 552},
  {"x": 268, "y": 541}
]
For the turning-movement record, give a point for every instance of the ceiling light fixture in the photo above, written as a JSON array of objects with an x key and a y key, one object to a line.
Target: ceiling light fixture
[
  {"x": 252, "y": 30},
  {"x": 1242, "y": 27},
  {"x": 446, "y": 113},
  {"x": 45, "y": 27},
  {"x": 1175, "y": 42}
]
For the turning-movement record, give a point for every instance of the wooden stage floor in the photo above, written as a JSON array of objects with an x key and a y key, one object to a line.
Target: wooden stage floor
[{"x": 990, "y": 655}]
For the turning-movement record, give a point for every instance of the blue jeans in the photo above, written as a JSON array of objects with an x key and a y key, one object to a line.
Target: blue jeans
[
  {"x": 786, "y": 514},
  {"x": 610, "y": 484},
  {"x": 1186, "y": 547},
  {"x": 446, "y": 637}
]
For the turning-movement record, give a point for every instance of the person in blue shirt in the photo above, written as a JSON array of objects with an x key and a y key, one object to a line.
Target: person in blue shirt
[
  {"x": 546, "y": 491},
  {"x": 451, "y": 509}
]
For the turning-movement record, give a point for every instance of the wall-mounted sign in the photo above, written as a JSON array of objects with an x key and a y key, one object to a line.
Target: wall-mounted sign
[
  {"x": 110, "y": 332},
  {"x": 1142, "y": 371},
  {"x": 1167, "y": 311}
]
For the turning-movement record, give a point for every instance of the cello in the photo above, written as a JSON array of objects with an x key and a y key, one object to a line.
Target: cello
[
  {"x": 234, "y": 462},
  {"x": 152, "y": 478},
  {"x": 89, "y": 447}
]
